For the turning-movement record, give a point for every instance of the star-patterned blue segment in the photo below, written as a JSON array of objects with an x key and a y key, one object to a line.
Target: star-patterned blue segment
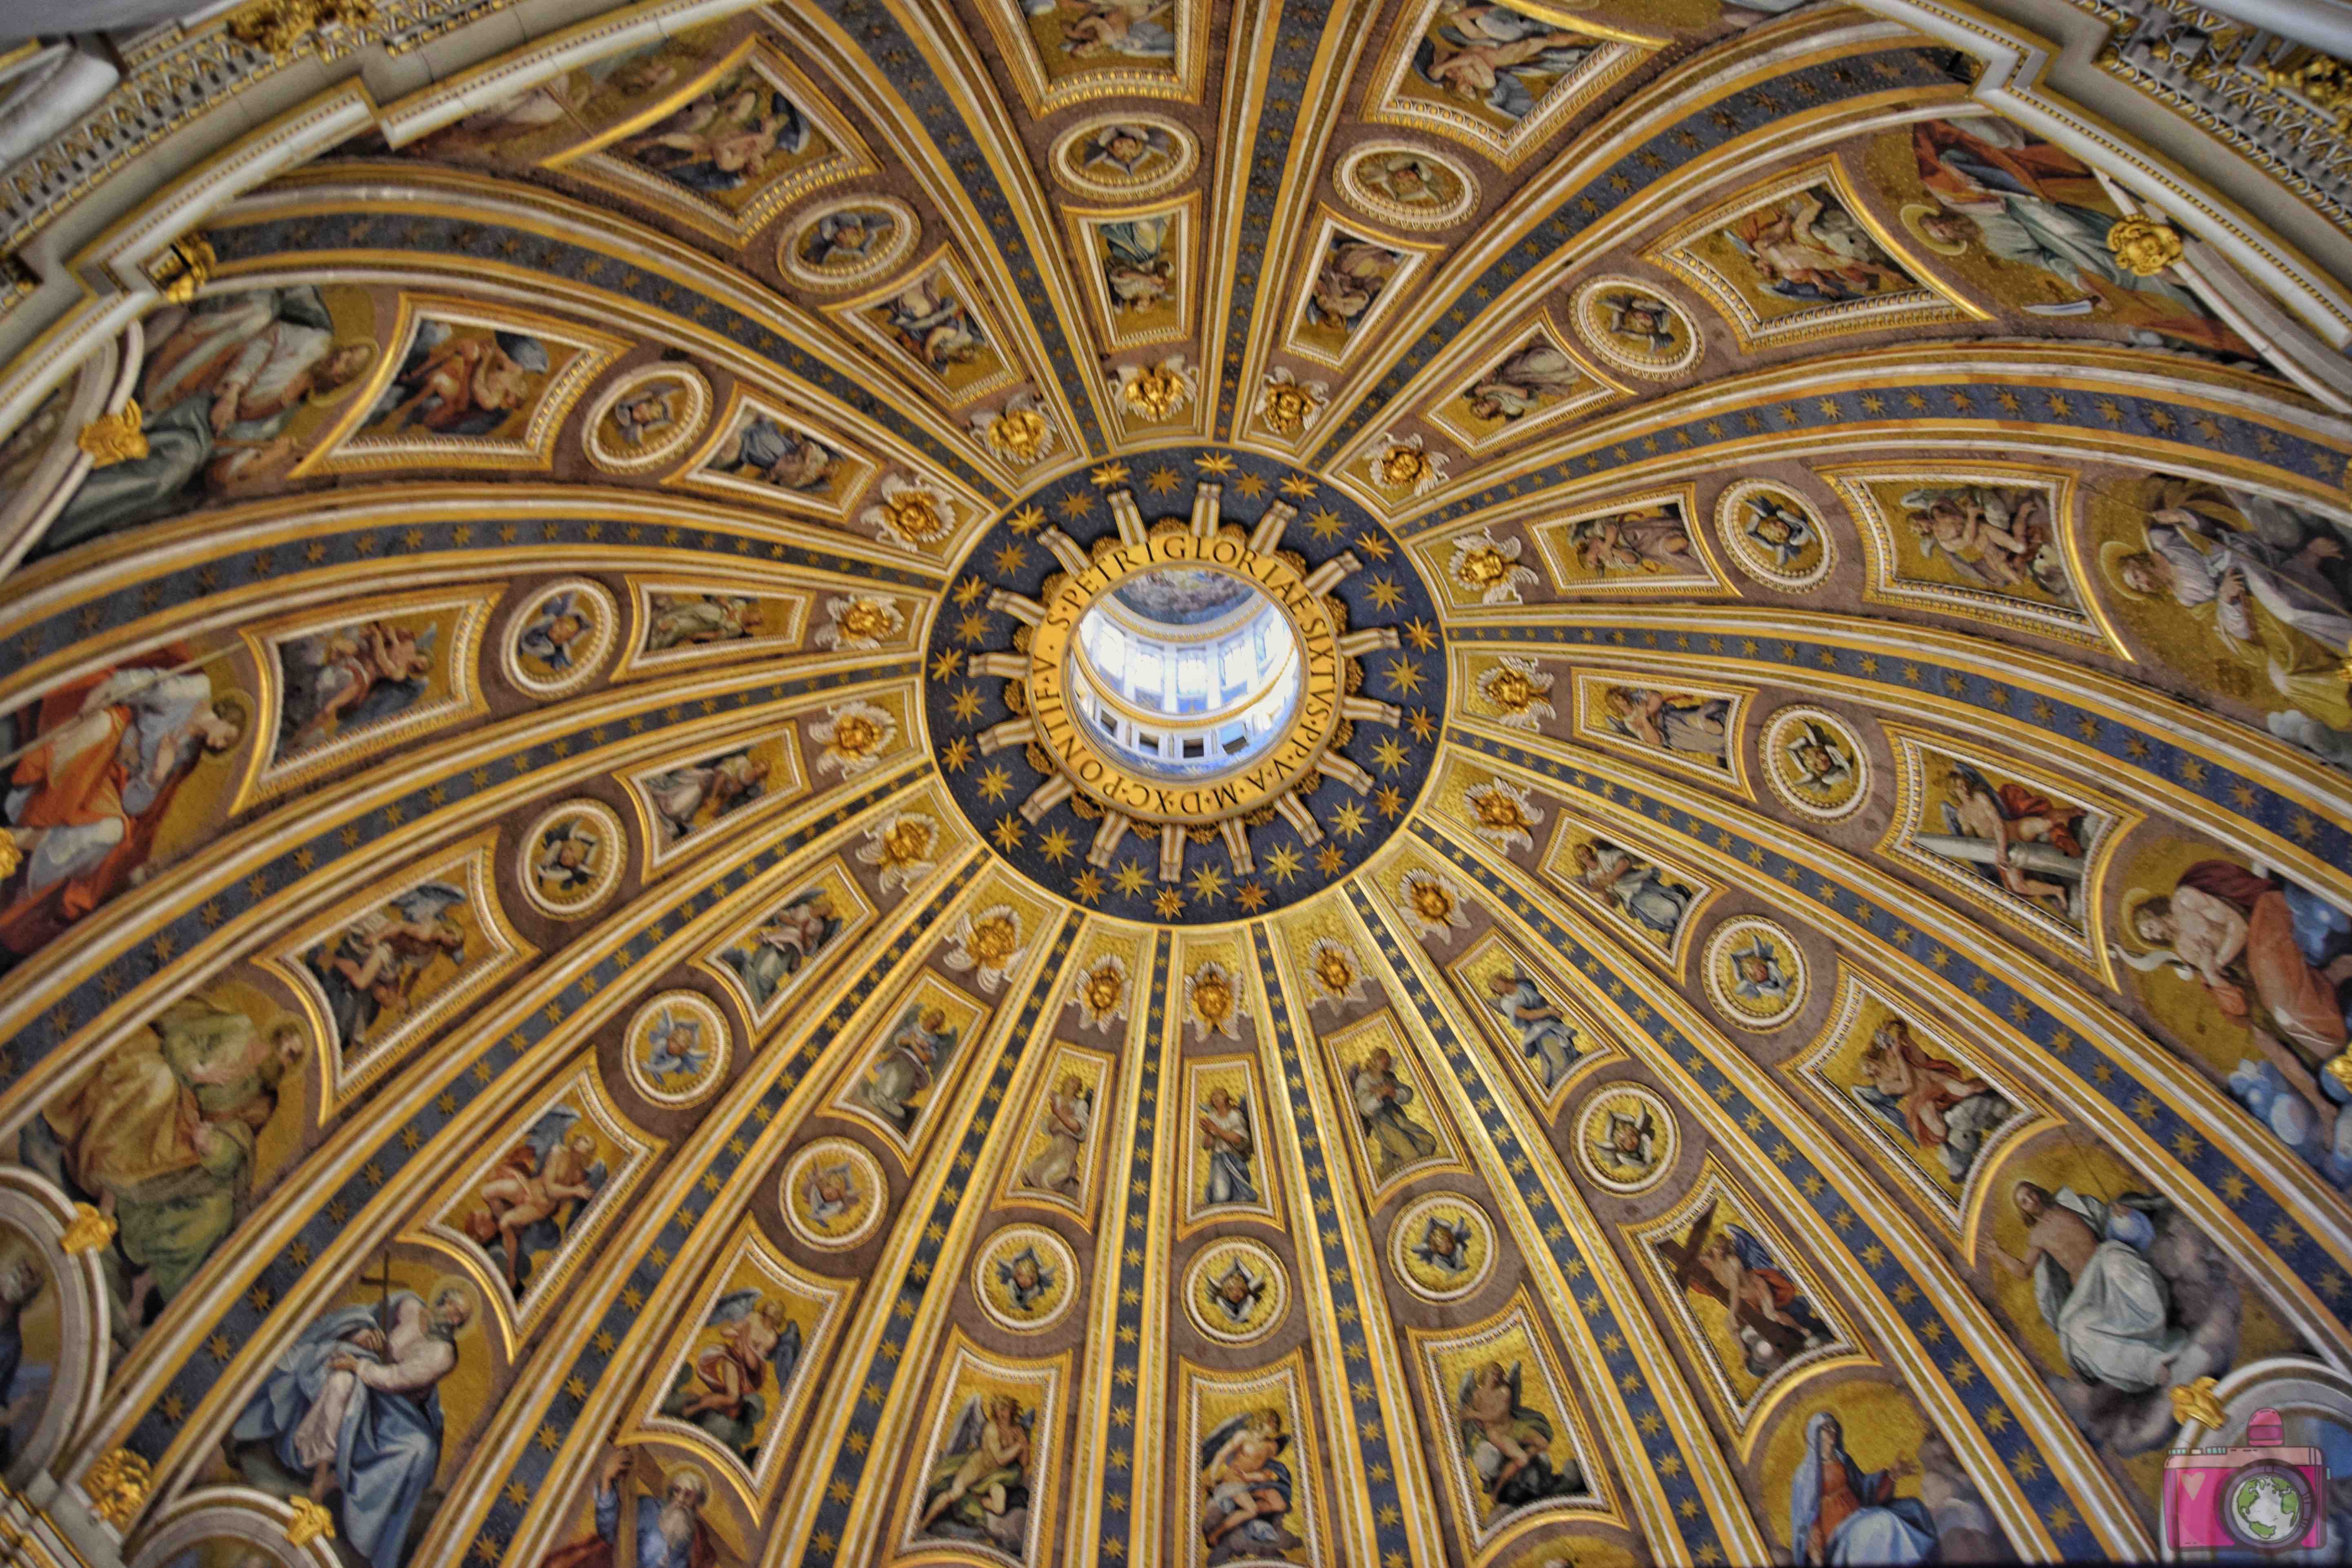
[
  {"x": 1387, "y": 592},
  {"x": 1134, "y": 1281}
]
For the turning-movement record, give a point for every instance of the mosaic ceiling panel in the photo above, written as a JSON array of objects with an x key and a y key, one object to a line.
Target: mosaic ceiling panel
[{"x": 575, "y": 992}]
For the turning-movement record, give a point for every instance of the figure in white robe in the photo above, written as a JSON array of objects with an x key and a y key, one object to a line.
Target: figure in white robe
[{"x": 2110, "y": 1309}]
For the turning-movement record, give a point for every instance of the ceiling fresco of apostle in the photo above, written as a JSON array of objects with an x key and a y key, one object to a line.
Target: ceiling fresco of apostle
[{"x": 597, "y": 968}]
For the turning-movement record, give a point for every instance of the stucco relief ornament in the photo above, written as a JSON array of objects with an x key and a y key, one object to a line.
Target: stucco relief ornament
[
  {"x": 1019, "y": 430},
  {"x": 310, "y": 1522},
  {"x": 2144, "y": 245},
  {"x": 854, "y": 735},
  {"x": 90, "y": 1230},
  {"x": 1100, "y": 993},
  {"x": 2197, "y": 1402},
  {"x": 911, "y": 513},
  {"x": 1489, "y": 568},
  {"x": 1403, "y": 467},
  {"x": 116, "y": 1486},
  {"x": 277, "y": 28},
  {"x": 113, "y": 438},
  {"x": 186, "y": 267},
  {"x": 988, "y": 944},
  {"x": 859, "y": 625},
  {"x": 1213, "y": 1001},
  {"x": 1333, "y": 971},
  {"x": 1503, "y": 814},
  {"x": 1289, "y": 405},
  {"x": 905, "y": 846},
  {"x": 1514, "y": 688},
  {"x": 1432, "y": 903},
  {"x": 1156, "y": 394}
]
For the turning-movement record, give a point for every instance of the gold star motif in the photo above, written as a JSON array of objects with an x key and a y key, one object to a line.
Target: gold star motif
[
  {"x": 1324, "y": 525},
  {"x": 969, "y": 590},
  {"x": 1111, "y": 474},
  {"x": 1028, "y": 519},
  {"x": 1389, "y": 800},
  {"x": 1404, "y": 675},
  {"x": 1250, "y": 896},
  {"x": 1348, "y": 821},
  {"x": 1284, "y": 865},
  {"x": 949, "y": 663},
  {"x": 1390, "y": 756},
  {"x": 1420, "y": 634},
  {"x": 1088, "y": 885},
  {"x": 1162, "y": 479},
  {"x": 1385, "y": 594},
  {"x": 1010, "y": 560},
  {"x": 1055, "y": 845},
  {"x": 1007, "y": 833},
  {"x": 1076, "y": 504},
  {"x": 1213, "y": 463},
  {"x": 1421, "y": 724},
  {"x": 1249, "y": 484},
  {"x": 1328, "y": 860},
  {"x": 956, "y": 754},
  {"x": 1374, "y": 545},
  {"x": 1298, "y": 484},
  {"x": 1129, "y": 878},
  {"x": 973, "y": 627},
  {"x": 965, "y": 704},
  {"x": 995, "y": 783},
  {"x": 1208, "y": 884},
  {"x": 1169, "y": 904}
]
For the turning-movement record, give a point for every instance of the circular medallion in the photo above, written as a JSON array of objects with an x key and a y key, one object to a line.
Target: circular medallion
[
  {"x": 1235, "y": 1291},
  {"x": 1125, "y": 155},
  {"x": 1409, "y": 186},
  {"x": 1442, "y": 1248},
  {"x": 1626, "y": 1139},
  {"x": 833, "y": 1194},
  {"x": 1633, "y": 327},
  {"x": 1189, "y": 692},
  {"x": 571, "y": 859},
  {"x": 848, "y": 241},
  {"x": 558, "y": 640},
  {"x": 1773, "y": 536},
  {"x": 1025, "y": 1277},
  {"x": 677, "y": 1050},
  {"x": 1755, "y": 975},
  {"x": 1815, "y": 763},
  {"x": 647, "y": 418}
]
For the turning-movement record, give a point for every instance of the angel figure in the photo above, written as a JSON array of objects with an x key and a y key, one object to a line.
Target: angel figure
[
  {"x": 775, "y": 453},
  {"x": 1780, "y": 531},
  {"x": 568, "y": 858},
  {"x": 723, "y": 1390},
  {"x": 913, "y": 1056},
  {"x": 1235, "y": 1293},
  {"x": 1626, "y": 1147},
  {"x": 1524, "y": 383},
  {"x": 1818, "y": 756},
  {"x": 1491, "y": 55},
  {"x": 1758, "y": 975},
  {"x": 676, "y": 1049},
  {"x": 1936, "y": 1104},
  {"x": 723, "y": 136},
  {"x": 528, "y": 1200},
  {"x": 1245, "y": 1488},
  {"x": 678, "y": 795},
  {"x": 1640, "y": 319},
  {"x": 1546, "y": 1036},
  {"x": 1640, "y": 890},
  {"x": 978, "y": 1488},
  {"x": 1406, "y": 178},
  {"x": 847, "y": 237},
  {"x": 2030, "y": 845},
  {"x": 557, "y": 623},
  {"x": 1091, "y": 29},
  {"x": 1126, "y": 148},
  {"x": 372, "y": 964},
  {"x": 350, "y": 678},
  {"x": 1136, "y": 267},
  {"x": 1062, "y": 1123},
  {"x": 1508, "y": 1441},
  {"x": 933, "y": 325},
  {"x": 830, "y": 1192},
  {"x": 1026, "y": 1277},
  {"x": 1680, "y": 722},
  {"x": 1226, "y": 1139},
  {"x": 692, "y": 620},
  {"x": 2003, "y": 538},
  {"x": 1631, "y": 543},
  {"x": 1445, "y": 1243},
  {"x": 1349, "y": 281},
  {"x": 1807, "y": 247},
  {"x": 787, "y": 941},
  {"x": 460, "y": 382},
  {"x": 1772, "y": 1319}
]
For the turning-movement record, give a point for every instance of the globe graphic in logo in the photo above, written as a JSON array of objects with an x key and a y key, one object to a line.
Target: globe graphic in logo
[{"x": 2265, "y": 1508}]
